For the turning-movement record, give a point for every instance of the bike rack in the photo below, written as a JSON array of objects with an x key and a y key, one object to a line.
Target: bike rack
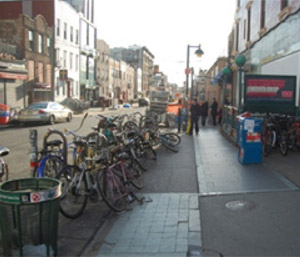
[{"x": 65, "y": 145}]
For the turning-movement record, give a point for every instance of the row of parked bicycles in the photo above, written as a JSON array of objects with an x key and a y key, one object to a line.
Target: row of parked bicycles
[
  {"x": 280, "y": 131},
  {"x": 107, "y": 163}
]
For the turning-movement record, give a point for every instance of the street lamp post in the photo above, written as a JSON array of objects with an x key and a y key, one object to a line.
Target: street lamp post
[
  {"x": 240, "y": 61},
  {"x": 226, "y": 71},
  {"x": 199, "y": 53}
]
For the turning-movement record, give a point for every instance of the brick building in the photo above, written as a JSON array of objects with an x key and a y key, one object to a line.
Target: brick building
[{"x": 32, "y": 38}]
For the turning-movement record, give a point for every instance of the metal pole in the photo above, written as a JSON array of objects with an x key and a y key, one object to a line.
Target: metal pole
[
  {"x": 240, "y": 90},
  {"x": 192, "y": 86},
  {"x": 5, "y": 93},
  {"x": 187, "y": 71}
]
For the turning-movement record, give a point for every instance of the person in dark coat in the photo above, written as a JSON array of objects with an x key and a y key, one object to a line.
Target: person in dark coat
[
  {"x": 195, "y": 113},
  {"x": 214, "y": 111},
  {"x": 204, "y": 112}
]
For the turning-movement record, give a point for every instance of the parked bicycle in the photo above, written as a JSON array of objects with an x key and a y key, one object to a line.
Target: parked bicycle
[
  {"x": 4, "y": 172},
  {"x": 275, "y": 133}
]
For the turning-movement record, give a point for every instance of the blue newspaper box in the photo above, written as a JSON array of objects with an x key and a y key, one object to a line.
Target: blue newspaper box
[{"x": 249, "y": 140}]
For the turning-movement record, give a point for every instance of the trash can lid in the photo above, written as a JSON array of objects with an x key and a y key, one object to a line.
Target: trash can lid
[{"x": 30, "y": 190}]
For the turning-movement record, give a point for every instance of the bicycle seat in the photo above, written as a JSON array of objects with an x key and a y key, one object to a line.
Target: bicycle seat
[
  {"x": 53, "y": 143},
  {"x": 95, "y": 128},
  {"x": 123, "y": 156},
  {"x": 3, "y": 151},
  {"x": 79, "y": 143}
]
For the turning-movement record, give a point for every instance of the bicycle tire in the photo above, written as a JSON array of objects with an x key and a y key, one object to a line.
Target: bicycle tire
[
  {"x": 113, "y": 195},
  {"x": 73, "y": 201},
  {"x": 173, "y": 139},
  {"x": 135, "y": 176},
  {"x": 268, "y": 142},
  {"x": 130, "y": 125},
  {"x": 168, "y": 146},
  {"x": 283, "y": 146},
  {"x": 51, "y": 167}
]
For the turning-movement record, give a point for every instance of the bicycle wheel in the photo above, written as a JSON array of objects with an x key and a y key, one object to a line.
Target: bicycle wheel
[
  {"x": 268, "y": 142},
  {"x": 130, "y": 125},
  {"x": 112, "y": 190},
  {"x": 135, "y": 176},
  {"x": 283, "y": 146},
  {"x": 173, "y": 139},
  {"x": 49, "y": 166},
  {"x": 164, "y": 141},
  {"x": 148, "y": 156},
  {"x": 74, "y": 191}
]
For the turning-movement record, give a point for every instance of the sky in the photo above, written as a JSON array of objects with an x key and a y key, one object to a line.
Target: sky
[{"x": 166, "y": 27}]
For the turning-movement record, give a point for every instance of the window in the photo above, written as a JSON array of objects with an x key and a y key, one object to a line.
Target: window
[
  {"x": 245, "y": 29},
  {"x": 87, "y": 34},
  {"x": 57, "y": 87},
  {"x": 65, "y": 59},
  {"x": 76, "y": 63},
  {"x": 58, "y": 28},
  {"x": 262, "y": 13},
  {"x": 237, "y": 36},
  {"x": 30, "y": 39},
  {"x": 71, "y": 61},
  {"x": 92, "y": 11},
  {"x": 249, "y": 24},
  {"x": 88, "y": 9},
  {"x": 65, "y": 30},
  {"x": 41, "y": 44},
  {"x": 283, "y": 4},
  {"x": 71, "y": 34},
  {"x": 48, "y": 45},
  {"x": 77, "y": 37}
]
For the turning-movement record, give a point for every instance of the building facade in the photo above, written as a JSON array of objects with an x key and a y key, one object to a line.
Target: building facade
[
  {"x": 142, "y": 60},
  {"x": 102, "y": 72},
  {"x": 32, "y": 38},
  {"x": 214, "y": 81},
  {"x": 88, "y": 44},
  {"x": 121, "y": 81},
  {"x": 66, "y": 26},
  {"x": 267, "y": 33}
]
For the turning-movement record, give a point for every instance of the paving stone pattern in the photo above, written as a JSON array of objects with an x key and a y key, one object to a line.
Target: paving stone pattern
[{"x": 167, "y": 226}]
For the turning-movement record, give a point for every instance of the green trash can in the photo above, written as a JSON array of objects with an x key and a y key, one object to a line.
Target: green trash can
[{"x": 29, "y": 210}]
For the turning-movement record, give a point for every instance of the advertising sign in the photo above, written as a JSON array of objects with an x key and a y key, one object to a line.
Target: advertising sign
[{"x": 270, "y": 93}]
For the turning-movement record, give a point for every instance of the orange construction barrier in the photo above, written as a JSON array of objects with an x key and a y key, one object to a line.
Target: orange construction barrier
[
  {"x": 4, "y": 114},
  {"x": 174, "y": 108}
]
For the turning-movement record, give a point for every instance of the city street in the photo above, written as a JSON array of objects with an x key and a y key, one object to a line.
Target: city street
[
  {"x": 17, "y": 138},
  {"x": 203, "y": 201}
]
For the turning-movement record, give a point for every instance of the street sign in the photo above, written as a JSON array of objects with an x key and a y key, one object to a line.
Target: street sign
[
  {"x": 187, "y": 71},
  {"x": 63, "y": 75}
]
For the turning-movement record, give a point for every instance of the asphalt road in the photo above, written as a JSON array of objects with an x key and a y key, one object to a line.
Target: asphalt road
[{"x": 17, "y": 138}]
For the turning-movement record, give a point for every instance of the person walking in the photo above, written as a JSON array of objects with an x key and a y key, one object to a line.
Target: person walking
[
  {"x": 195, "y": 113},
  {"x": 214, "y": 111},
  {"x": 204, "y": 112}
]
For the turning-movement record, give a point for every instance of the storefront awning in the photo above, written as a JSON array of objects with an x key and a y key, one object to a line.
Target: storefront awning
[
  {"x": 40, "y": 86},
  {"x": 10, "y": 75},
  {"x": 215, "y": 80}
]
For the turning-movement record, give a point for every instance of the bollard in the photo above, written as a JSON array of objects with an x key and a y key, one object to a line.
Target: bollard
[{"x": 179, "y": 119}]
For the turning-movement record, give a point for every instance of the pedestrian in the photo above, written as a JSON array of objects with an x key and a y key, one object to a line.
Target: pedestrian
[
  {"x": 220, "y": 114},
  {"x": 226, "y": 100},
  {"x": 195, "y": 113},
  {"x": 204, "y": 112},
  {"x": 214, "y": 111}
]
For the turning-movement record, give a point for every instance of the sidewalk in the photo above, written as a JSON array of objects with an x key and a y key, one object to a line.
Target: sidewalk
[
  {"x": 245, "y": 210},
  {"x": 169, "y": 225}
]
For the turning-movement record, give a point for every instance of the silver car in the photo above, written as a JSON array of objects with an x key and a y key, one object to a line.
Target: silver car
[{"x": 49, "y": 112}]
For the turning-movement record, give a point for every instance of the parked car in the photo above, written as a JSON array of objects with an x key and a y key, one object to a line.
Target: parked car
[
  {"x": 144, "y": 102},
  {"x": 49, "y": 112},
  {"x": 114, "y": 107},
  {"x": 126, "y": 105}
]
